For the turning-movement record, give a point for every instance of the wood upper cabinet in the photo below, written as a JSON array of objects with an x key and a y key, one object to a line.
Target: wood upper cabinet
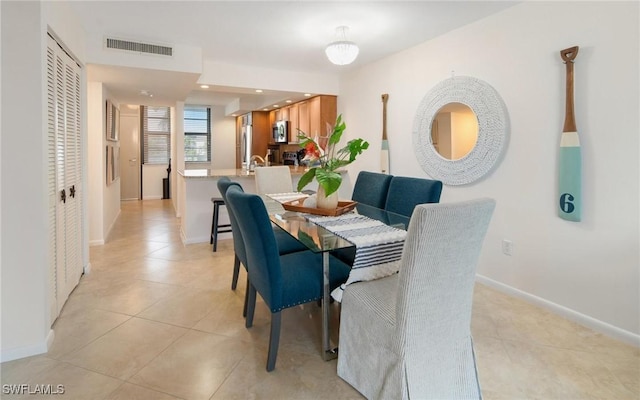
[
  {"x": 293, "y": 122},
  {"x": 322, "y": 111},
  {"x": 284, "y": 114},
  {"x": 303, "y": 117},
  {"x": 262, "y": 133},
  {"x": 309, "y": 116}
]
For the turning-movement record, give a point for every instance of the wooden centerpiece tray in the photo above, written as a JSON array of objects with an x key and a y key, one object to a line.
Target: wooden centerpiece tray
[{"x": 297, "y": 206}]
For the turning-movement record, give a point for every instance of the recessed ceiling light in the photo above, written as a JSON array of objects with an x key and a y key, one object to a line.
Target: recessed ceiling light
[
  {"x": 258, "y": 90},
  {"x": 234, "y": 115},
  {"x": 288, "y": 101},
  {"x": 204, "y": 86},
  {"x": 276, "y": 106},
  {"x": 307, "y": 95},
  {"x": 265, "y": 109}
]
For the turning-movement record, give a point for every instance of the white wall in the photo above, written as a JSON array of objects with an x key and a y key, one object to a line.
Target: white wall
[
  {"x": 223, "y": 139},
  {"x": 177, "y": 156},
  {"x": 95, "y": 152},
  {"x": 104, "y": 200},
  {"x": 257, "y": 77},
  {"x": 588, "y": 270},
  {"x": 152, "y": 175},
  {"x": 24, "y": 207},
  {"x": 25, "y": 273}
]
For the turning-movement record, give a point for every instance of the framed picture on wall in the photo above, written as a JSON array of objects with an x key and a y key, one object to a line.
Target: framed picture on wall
[
  {"x": 109, "y": 164},
  {"x": 116, "y": 162},
  {"x": 112, "y": 128}
]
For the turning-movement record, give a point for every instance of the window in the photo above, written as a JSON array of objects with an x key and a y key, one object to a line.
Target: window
[
  {"x": 197, "y": 134},
  {"x": 156, "y": 129}
]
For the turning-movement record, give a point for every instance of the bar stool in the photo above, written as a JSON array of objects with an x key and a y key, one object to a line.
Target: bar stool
[{"x": 215, "y": 227}]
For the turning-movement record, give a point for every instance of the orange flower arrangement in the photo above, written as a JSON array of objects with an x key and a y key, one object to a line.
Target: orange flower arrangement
[{"x": 327, "y": 159}]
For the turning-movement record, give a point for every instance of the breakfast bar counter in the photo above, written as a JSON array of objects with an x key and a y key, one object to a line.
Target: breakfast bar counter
[
  {"x": 196, "y": 187},
  {"x": 231, "y": 173}
]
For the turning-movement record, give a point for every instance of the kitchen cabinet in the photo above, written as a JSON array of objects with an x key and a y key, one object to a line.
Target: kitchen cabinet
[
  {"x": 283, "y": 114},
  {"x": 309, "y": 116},
  {"x": 293, "y": 123},
  {"x": 261, "y": 134},
  {"x": 322, "y": 111},
  {"x": 303, "y": 117},
  {"x": 262, "y": 131}
]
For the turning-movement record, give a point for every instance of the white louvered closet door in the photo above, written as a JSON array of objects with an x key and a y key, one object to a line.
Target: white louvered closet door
[{"x": 64, "y": 175}]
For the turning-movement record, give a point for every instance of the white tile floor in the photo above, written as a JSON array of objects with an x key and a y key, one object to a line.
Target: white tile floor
[{"x": 158, "y": 320}]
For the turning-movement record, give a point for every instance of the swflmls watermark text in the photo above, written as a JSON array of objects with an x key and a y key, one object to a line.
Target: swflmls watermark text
[{"x": 24, "y": 388}]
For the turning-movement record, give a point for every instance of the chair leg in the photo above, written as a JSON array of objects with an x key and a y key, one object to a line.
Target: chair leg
[
  {"x": 216, "y": 214},
  {"x": 274, "y": 340},
  {"x": 246, "y": 298},
  {"x": 251, "y": 305},
  {"x": 213, "y": 222},
  {"x": 236, "y": 272}
]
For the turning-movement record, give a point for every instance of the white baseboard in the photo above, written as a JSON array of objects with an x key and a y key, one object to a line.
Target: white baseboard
[
  {"x": 152, "y": 197},
  {"x": 50, "y": 337},
  {"x": 28, "y": 351},
  {"x": 113, "y": 223},
  {"x": 183, "y": 237},
  {"x": 96, "y": 242},
  {"x": 584, "y": 320},
  {"x": 87, "y": 268}
]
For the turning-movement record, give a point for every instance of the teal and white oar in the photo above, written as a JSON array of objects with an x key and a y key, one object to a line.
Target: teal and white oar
[
  {"x": 384, "y": 151},
  {"x": 570, "y": 159}
]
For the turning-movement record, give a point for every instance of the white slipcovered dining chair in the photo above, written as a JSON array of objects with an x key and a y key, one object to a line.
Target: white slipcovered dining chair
[
  {"x": 408, "y": 336},
  {"x": 275, "y": 179}
]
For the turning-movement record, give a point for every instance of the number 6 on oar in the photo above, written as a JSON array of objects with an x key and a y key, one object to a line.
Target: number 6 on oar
[{"x": 570, "y": 158}]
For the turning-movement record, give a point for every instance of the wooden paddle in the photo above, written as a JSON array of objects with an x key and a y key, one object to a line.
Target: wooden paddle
[
  {"x": 570, "y": 161},
  {"x": 384, "y": 152}
]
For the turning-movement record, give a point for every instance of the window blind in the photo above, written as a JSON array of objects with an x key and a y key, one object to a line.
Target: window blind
[
  {"x": 197, "y": 134},
  {"x": 156, "y": 129}
]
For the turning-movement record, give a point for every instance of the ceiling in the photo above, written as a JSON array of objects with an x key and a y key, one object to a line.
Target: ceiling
[{"x": 287, "y": 35}]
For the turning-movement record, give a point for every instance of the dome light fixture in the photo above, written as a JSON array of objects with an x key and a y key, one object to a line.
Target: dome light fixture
[{"x": 342, "y": 52}]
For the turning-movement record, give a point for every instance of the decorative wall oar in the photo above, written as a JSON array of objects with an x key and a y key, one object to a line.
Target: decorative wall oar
[
  {"x": 570, "y": 160},
  {"x": 384, "y": 151}
]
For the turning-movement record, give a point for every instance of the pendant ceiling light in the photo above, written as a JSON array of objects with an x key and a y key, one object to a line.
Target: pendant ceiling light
[{"x": 342, "y": 52}]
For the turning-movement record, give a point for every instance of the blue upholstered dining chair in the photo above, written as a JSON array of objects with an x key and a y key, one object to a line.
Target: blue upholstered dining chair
[
  {"x": 409, "y": 335},
  {"x": 405, "y": 193},
  {"x": 286, "y": 244},
  {"x": 371, "y": 188},
  {"x": 282, "y": 281}
]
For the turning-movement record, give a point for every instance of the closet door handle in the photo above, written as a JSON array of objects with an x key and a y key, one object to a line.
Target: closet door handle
[
  {"x": 72, "y": 191},
  {"x": 63, "y": 196}
]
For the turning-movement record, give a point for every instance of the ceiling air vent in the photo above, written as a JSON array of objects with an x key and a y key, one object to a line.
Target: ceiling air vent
[{"x": 138, "y": 47}]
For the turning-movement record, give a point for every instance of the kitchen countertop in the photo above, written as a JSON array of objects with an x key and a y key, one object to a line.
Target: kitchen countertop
[{"x": 217, "y": 173}]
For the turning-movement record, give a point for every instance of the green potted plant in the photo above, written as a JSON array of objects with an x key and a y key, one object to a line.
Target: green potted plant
[{"x": 325, "y": 158}]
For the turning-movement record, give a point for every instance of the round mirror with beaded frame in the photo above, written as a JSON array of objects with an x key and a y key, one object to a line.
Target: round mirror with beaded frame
[{"x": 493, "y": 130}]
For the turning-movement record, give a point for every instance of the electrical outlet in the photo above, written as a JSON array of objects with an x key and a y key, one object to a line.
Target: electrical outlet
[{"x": 507, "y": 247}]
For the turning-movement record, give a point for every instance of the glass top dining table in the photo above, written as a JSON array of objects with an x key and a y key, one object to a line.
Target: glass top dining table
[{"x": 321, "y": 240}]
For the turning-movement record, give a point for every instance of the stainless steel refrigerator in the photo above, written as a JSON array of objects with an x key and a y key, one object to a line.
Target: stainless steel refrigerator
[{"x": 246, "y": 140}]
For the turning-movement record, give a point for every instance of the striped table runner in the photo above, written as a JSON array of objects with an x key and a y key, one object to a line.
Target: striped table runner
[{"x": 378, "y": 246}]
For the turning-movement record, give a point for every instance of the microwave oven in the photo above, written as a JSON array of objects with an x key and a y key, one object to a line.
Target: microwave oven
[{"x": 281, "y": 132}]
